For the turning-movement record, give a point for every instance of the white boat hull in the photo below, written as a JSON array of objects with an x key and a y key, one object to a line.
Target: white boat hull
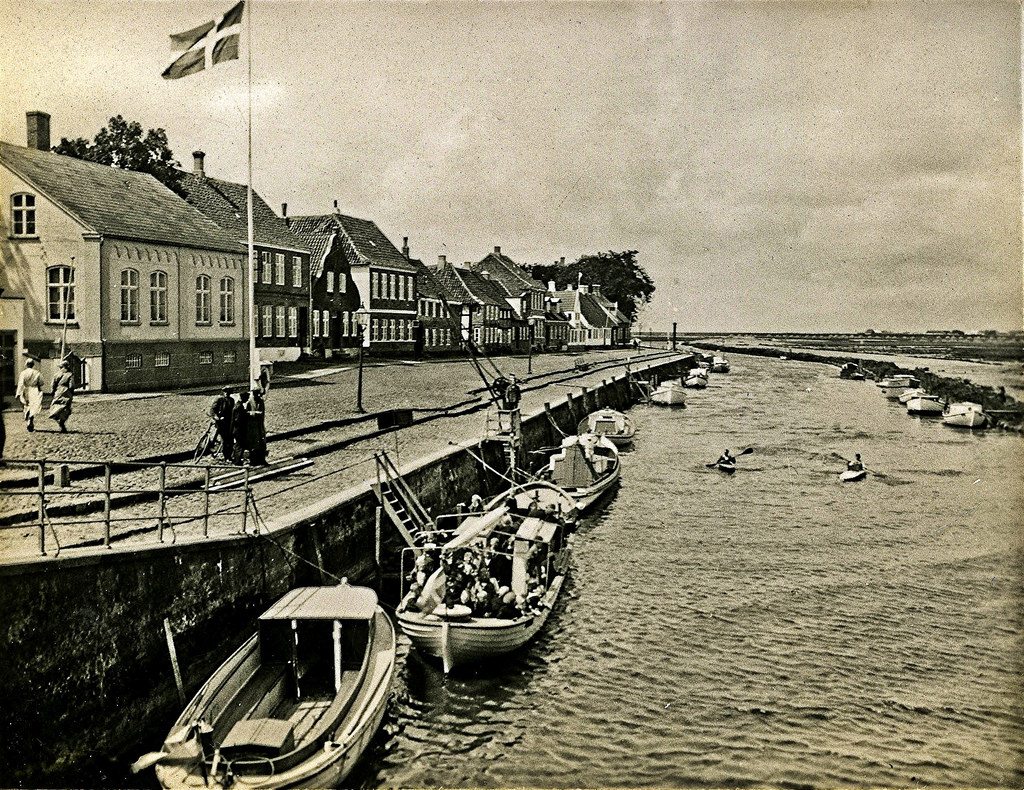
[
  {"x": 696, "y": 382},
  {"x": 669, "y": 393},
  {"x": 924, "y": 406},
  {"x": 615, "y": 426},
  {"x": 965, "y": 415},
  {"x": 852, "y": 476}
]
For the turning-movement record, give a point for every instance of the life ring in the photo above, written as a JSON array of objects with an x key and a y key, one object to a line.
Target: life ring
[{"x": 454, "y": 612}]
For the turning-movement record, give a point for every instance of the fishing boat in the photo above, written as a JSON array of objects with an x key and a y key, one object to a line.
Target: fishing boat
[
  {"x": 894, "y": 386},
  {"x": 719, "y": 365},
  {"x": 585, "y": 467},
  {"x": 495, "y": 582},
  {"x": 697, "y": 378},
  {"x": 853, "y": 475},
  {"x": 669, "y": 393},
  {"x": 925, "y": 405},
  {"x": 296, "y": 705},
  {"x": 615, "y": 426},
  {"x": 965, "y": 415}
]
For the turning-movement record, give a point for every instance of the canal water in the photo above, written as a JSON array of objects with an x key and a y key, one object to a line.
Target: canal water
[{"x": 774, "y": 627}]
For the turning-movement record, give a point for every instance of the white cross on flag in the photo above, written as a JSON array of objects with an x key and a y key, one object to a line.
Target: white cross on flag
[{"x": 207, "y": 45}]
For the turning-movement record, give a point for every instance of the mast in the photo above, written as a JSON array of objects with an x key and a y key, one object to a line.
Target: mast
[{"x": 254, "y": 362}]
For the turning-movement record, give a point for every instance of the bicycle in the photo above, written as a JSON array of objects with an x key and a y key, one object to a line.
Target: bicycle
[{"x": 209, "y": 443}]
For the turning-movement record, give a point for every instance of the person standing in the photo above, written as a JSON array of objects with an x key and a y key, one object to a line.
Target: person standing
[
  {"x": 240, "y": 429},
  {"x": 257, "y": 430},
  {"x": 63, "y": 394},
  {"x": 30, "y": 392},
  {"x": 220, "y": 412}
]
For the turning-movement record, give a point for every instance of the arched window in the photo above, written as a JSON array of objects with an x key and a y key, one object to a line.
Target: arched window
[
  {"x": 129, "y": 296},
  {"x": 227, "y": 300},
  {"x": 60, "y": 293},
  {"x": 158, "y": 298},
  {"x": 23, "y": 214},
  {"x": 202, "y": 299}
]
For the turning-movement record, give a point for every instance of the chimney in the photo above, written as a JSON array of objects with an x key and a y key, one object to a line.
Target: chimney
[
  {"x": 197, "y": 163},
  {"x": 335, "y": 206},
  {"x": 561, "y": 261},
  {"x": 284, "y": 214},
  {"x": 38, "y": 124},
  {"x": 405, "y": 247},
  {"x": 497, "y": 250},
  {"x": 442, "y": 260}
]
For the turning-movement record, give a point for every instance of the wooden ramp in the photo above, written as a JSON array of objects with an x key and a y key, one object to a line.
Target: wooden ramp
[{"x": 236, "y": 478}]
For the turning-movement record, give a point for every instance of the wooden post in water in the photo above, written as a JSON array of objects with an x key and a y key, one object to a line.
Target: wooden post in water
[
  {"x": 42, "y": 507},
  {"x": 206, "y": 504},
  {"x": 106, "y": 505},
  {"x": 174, "y": 662},
  {"x": 245, "y": 503},
  {"x": 162, "y": 478}
]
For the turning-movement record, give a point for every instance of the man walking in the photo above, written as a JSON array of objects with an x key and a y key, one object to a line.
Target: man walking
[
  {"x": 30, "y": 392},
  {"x": 257, "y": 429},
  {"x": 220, "y": 413},
  {"x": 63, "y": 394},
  {"x": 240, "y": 428}
]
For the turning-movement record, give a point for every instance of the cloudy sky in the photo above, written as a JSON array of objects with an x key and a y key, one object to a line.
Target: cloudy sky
[{"x": 778, "y": 165}]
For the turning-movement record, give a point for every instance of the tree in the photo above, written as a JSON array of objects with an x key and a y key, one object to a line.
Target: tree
[
  {"x": 122, "y": 144},
  {"x": 621, "y": 278}
]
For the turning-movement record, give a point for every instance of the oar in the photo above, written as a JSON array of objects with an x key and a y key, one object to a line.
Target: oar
[{"x": 748, "y": 451}]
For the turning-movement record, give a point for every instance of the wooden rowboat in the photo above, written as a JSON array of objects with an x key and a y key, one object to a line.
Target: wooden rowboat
[
  {"x": 296, "y": 705},
  {"x": 613, "y": 425},
  {"x": 585, "y": 467}
]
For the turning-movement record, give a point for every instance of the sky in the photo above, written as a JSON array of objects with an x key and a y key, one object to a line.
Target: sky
[{"x": 779, "y": 166}]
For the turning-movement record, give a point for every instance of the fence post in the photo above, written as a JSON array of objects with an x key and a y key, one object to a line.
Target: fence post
[
  {"x": 162, "y": 476},
  {"x": 106, "y": 505},
  {"x": 206, "y": 504},
  {"x": 245, "y": 503},
  {"x": 42, "y": 507}
]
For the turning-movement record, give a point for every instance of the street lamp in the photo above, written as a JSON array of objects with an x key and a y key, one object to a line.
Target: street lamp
[{"x": 361, "y": 333}]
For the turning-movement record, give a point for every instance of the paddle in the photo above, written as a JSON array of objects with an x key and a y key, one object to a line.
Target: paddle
[
  {"x": 876, "y": 474},
  {"x": 748, "y": 451}
]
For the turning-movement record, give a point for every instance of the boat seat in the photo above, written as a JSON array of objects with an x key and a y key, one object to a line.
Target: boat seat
[{"x": 260, "y": 737}]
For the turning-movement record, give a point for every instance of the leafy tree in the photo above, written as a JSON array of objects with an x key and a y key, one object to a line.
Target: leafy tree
[
  {"x": 122, "y": 144},
  {"x": 621, "y": 277}
]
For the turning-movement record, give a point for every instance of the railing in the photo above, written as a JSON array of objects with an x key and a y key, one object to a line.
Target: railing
[{"x": 128, "y": 500}]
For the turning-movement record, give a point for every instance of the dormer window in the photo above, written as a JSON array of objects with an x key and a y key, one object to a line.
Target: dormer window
[{"x": 23, "y": 214}]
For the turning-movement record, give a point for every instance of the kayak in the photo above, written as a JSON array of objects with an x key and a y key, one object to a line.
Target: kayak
[
  {"x": 727, "y": 468},
  {"x": 850, "y": 476}
]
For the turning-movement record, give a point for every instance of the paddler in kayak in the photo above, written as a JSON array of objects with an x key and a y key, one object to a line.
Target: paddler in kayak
[
  {"x": 726, "y": 459},
  {"x": 856, "y": 465}
]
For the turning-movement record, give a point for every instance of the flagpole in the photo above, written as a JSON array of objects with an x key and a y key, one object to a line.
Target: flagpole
[{"x": 254, "y": 362}]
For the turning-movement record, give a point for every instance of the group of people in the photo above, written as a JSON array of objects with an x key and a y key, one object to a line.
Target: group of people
[
  {"x": 30, "y": 394},
  {"x": 241, "y": 425}
]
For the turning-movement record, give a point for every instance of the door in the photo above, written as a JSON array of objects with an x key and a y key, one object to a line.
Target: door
[{"x": 8, "y": 346}]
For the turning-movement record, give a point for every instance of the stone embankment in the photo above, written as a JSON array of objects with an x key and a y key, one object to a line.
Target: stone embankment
[{"x": 1006, "y": 412}]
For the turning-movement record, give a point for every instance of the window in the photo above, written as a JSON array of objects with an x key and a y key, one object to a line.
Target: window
[
  {"x": 227, "y": 300},
  {"x": 279, "y": 319},
  {"x": 392, "y": 329},
  {"x": 158, "y": 298},
  {"x": 129, "y": 296},
  {"x": 132, "y": 361},
  {"x": 205, "y": 357},
  {"x": 391, "y": 286},
  {"x": 267, "y": 314},
  {"x": 229, "y": 357},
  {"x": 60, "y": 293},
  {"x": 23, "y": 212},
  {"x": 330, "y": 282},
  {"x": 296, "y": 271},
  {"x": 265, "y": 267},
  {"x": 293, "y": 322},
  {"x": 401, "y": 287},
  {"x": 278, "y": 268},
  {"x": 162, "y": 359},
  {"x": 327, "y": 324},
  {"x": 202, "y": 299},
  {"x": 316, "y": 323}
]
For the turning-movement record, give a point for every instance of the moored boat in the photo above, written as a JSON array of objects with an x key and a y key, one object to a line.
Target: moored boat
[
  {"x": 925, "y": 405},
  {"x": 585, "y": 467},
  {"x": 696, "y": 378},
  {"x": 296, "y": 705},
  {"x": 669, "y": 393},
  {"x": 495, "y": 582},
  {"x": 615, "y": 426},
  {"x": 894, "y": 386},
  {"x": 719, "y": 365},
  {"x": 965, "y": 415},
  {"x": 907, "y": 395}
]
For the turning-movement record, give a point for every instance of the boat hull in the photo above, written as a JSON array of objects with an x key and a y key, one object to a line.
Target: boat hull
[
  {"x": 959, "y": 416},
  {"x": 727, "y": 468},
  {"x": 614, "y": 426},
  {"x": 924, "y": 406},
  {"x": 669, "y": 393},
  {"x": 587, "y": 496},
  {"x": 852, "y": 476}
]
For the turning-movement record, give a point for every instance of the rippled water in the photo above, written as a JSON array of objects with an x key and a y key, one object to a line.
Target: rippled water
[{"x": 775, "y": 627}]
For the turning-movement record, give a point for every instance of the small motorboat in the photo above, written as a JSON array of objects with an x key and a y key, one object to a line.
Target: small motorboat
[
  {"x": 296, "y": 705},
  {"x": 965, "y": 415},
  {"x": 925, "y": 405},
  {"x": 853, "y": 475},
  {"x": 585, "y": 467},
  {"x": 521, "y": 546},
  {"x": 894, "y": 386},
  {"x": 719, "y": 365},
  {"x": 697, "y": 378},
  {"x": 615, "y": 426},
  {"x": 669, "y": 393},
  {"x": 852, "y": 371},
  {"x": 907, "y": 395}
]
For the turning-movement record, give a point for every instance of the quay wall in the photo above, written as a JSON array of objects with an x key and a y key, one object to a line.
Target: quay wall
[{"x": 87, "y": 682}]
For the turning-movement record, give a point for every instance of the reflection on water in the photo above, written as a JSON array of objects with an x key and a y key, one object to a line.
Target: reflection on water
[{"x": 773, "y": 627}]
